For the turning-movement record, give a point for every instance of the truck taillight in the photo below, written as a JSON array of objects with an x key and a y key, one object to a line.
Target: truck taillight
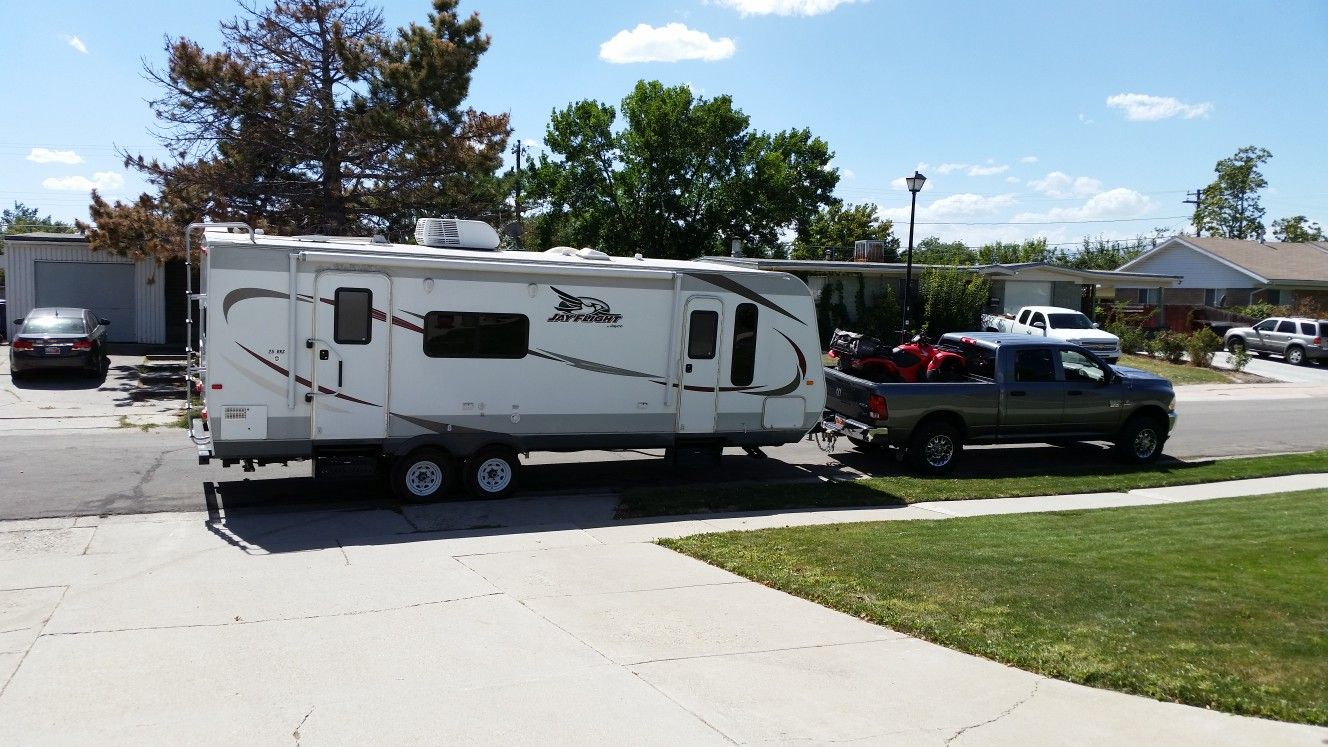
[
  {"x": 876, "y": 407},
  {"x": 23, "y": 344},
  {"x": 82, "y": 345}
]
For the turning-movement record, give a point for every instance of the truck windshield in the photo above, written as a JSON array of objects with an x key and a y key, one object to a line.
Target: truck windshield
[{"x": 1070, "y": 321}]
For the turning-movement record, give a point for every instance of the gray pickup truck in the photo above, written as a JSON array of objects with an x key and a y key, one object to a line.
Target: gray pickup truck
[{"x": 1017, "y": 389}]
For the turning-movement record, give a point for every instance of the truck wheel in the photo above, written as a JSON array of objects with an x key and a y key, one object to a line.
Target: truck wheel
[
  {"x": 934, "y": 448},
  {"x": 492, "y": 472},
  {"x": 1141, "y": 440},
  {"x": 422, "y": 475},
  {"x": 1295, "y": 356}
]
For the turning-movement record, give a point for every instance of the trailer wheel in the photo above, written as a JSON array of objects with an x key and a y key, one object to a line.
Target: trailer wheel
[
  {"x": 934, "y": 448},
  {"x": 492, "y": 472},
  {"x": 422, "y": 475}
]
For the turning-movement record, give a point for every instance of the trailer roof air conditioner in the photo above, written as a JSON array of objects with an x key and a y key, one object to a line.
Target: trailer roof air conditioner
[{"x": 450, "y": 233}]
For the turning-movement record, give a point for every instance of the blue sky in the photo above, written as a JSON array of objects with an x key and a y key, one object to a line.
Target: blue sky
[{"x": 1029, "y": 118}]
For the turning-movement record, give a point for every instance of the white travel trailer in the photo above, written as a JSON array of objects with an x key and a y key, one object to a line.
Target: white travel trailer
[{"x": 449, "y": 358}]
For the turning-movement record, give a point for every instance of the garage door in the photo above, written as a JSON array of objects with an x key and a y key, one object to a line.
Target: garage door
[
  {"x": 1021, "y": 293},
  {"x": 107, "y": 289}
]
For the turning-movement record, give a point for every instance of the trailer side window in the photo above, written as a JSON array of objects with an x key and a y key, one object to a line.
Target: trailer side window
[
  {"x": 469, "y": 334},
  {"x": 702, "y": 332},
  {"x": 744, "y": 345},
  {"x": 353, "y": 321}
]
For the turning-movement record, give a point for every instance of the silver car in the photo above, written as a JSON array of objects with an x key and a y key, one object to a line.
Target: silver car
[{"x": 1298, "y": 339}]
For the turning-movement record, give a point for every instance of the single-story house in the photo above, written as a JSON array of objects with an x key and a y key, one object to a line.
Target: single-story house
[
  {"x": 1013, "y": 286},
  {"x": 1232, "y": 272},
  {"x": 144, "y": 300}
]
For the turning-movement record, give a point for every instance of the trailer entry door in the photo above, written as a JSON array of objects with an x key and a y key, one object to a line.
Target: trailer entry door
[
  {"x": 350, "y": 355},
  {"x": 698, "y": 399}
]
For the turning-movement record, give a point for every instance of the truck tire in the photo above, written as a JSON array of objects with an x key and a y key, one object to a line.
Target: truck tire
[
  {"x": 1235, "y": 345},
  {"x": 934, "y": 448},
  {"x": 1141, "y": 440},
  {"x": 492, "y": 472},
  {"x": 1295, "y": 355},
  {"x": 422, "y": 476}
]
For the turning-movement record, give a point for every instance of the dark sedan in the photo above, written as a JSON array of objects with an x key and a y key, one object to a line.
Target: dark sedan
[{"x": 58, "y": 338}]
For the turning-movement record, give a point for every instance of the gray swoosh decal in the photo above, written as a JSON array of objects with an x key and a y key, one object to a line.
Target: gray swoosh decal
[
  {"x": 593, "y": 366},
  {"x": 438, "y": 426},
  {"x": 729, "y": 284},
  {"x": 241, "y": 294}
]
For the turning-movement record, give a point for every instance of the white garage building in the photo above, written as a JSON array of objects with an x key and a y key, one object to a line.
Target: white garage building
[{"x": 58, "y": 269}]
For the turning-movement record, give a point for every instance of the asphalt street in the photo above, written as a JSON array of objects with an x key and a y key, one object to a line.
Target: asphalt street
[{"x": 125, "y": 470}]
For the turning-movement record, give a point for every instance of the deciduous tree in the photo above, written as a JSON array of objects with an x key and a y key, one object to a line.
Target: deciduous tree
[
  {"x": 682, "y": 176},
  {"x": 838, "y": 226},
  {"x": 1230, "y": 206},
  {"x": 1297, "y": 228},
  {"x": 313, "y": 118}
]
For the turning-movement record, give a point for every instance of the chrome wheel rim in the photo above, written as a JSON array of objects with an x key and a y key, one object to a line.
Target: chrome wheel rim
[
  {"x": 1145, "y": 443},
  {"x": 1295, "y": 356},
  {"x": 938, "y": 451},
  {"x": 494, "y": 475},
  {"x": 424, "y": 478}
]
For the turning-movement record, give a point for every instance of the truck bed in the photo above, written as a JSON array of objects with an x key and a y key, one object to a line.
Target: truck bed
[{"x": 975, "y": 398}]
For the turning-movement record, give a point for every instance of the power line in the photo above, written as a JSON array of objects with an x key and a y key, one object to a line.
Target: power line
[{"x": 1049, "y": 222}]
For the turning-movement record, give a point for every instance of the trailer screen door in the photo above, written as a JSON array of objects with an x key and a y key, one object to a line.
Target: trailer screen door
[
  {"x": 350, "y": 350},
  {"x": 698, "y": 399}
]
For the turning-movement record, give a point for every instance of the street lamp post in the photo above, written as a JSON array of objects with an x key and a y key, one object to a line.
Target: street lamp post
[{"x": 915, "y": 183}]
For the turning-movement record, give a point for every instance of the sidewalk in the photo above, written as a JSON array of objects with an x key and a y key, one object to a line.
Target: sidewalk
[{"x": 527, "y": 620}]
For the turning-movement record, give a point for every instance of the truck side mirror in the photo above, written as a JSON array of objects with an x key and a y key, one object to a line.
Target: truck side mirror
[
  {"x": 1096, "y": 325},
  {"x": 1040, "y": 325},
  {"x": 17, "y": 322},
  {"x": 104, "y": 322}
]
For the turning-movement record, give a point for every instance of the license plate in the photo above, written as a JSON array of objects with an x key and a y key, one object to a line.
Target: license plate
[{"x": 52, "y": 350}]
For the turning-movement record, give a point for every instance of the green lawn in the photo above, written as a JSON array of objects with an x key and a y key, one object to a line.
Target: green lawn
[
  {"x": 1182, "y": 374},
  {"x": 1014, "y": 478},
  {"x": 1221, "y": 604}
]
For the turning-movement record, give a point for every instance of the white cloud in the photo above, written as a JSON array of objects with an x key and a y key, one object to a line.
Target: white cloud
[
  {"x": 1085, "y": 120},
  {"x": 959, "y": 207},
  {"x": 1114, "y": 204},
  {"x": 783, "y": 7},
  {"x": 76, "y": 43},
  {"x": 949, "y": 168},
  {"x": 899, "y": 184},
  {"x": 847, "y": 174},
  {"x": 923, "y": 166},
  {"x": 989, "y": 170},
  {"x": 104, "y": 181},
  {"x": 1011, "y": 180},
  {"x": 669, "y": 43},
  {"x": 1061, "y": 184},
  {"x": 46, "y": 155},
  {"x": 1140, "y": 107},
  {"x": 1029, "y": 159}
]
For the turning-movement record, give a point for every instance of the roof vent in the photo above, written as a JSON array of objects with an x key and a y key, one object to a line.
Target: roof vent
[{"x": 450, "y": 233}]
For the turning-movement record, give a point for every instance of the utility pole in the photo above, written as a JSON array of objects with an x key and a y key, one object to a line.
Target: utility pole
[
  {"x": 1198, "y": 197},
  {"x": 517, "y": 199}
]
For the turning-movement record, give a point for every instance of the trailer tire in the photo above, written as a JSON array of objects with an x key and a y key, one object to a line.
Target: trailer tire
[
  {"x": 422, "y": 476},
  {"x": 935, "y": 448},
  {"x": 492, "y": 472}
]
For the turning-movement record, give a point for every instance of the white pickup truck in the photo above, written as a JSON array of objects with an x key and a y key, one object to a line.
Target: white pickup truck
[{"x": 1057, "y": 323}]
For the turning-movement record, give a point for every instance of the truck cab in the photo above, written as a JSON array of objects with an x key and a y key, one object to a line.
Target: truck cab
[{"x": 1057, "y": 323}]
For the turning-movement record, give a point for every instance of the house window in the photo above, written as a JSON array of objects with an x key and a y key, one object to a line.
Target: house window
[
  {"x": 743, "y": 368},
  {"x": 469, "y": 334},
  {"x": 702, "y": 333},
  {"x": 353, "y": 316}
]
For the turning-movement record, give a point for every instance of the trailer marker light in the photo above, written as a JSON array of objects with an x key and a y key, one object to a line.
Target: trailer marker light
[{"x": 216, "y": 386}]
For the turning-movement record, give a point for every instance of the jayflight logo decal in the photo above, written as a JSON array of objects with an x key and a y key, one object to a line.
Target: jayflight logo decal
[{"x": 583, "y": 309}]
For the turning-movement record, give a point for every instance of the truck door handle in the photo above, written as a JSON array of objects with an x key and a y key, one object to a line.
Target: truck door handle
[
  {"x": 1018, "y": 394},
  {"x": 687, "y": 368}
]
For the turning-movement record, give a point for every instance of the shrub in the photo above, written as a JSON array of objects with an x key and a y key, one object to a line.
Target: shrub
[
  {"x": 953, "y": 300},
  {"x": 1169, "y": 346},
  {"x": 879, "y": 316},
  {"x": 1132, "y": 337},
  {"x": 1240, "y": 358},
  {"x": 1201, "y": 345}
]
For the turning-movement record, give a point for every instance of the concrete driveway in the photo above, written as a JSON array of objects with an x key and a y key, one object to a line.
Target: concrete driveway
[
  {"x": 543, "y": 622},
  {"x": 68, "y": 400},
  {"x": 1278, "y": 369}
]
